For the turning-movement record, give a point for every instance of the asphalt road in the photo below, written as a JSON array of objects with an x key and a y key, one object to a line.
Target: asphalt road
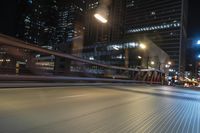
[{"x": 100, "y": 109}]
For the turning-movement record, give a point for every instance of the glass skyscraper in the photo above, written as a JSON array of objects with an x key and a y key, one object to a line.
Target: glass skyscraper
[
  {"x": 69, "y": 30},
  {"x": 52, "y": 24},
  {"x": 35, "y": 22}
]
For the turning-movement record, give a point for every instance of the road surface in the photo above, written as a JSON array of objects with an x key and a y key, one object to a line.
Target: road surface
[{"x": 100, "y": 109}]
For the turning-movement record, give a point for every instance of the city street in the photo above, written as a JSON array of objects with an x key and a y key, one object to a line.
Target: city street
[{"x": 102, "y": 109}]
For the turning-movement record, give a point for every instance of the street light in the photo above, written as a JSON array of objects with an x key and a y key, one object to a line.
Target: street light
[
  {"x": 167, "y": 66},
  {"x": 142, "y": 46},
  {"x": 152, "y": 62},
  {"x": 139, "y": 57},
  {"x": 100, "y": 18},
  {"x": 198, "y": 42},
  {"x": 8, "y": 60},
  {"x": 169, "y": 63}
]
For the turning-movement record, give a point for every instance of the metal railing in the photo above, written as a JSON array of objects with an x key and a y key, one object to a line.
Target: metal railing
[{"x": 30, "y": 71}]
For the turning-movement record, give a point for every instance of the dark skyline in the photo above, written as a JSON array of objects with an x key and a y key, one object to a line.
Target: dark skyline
[
  {"x": 8, "y": 16},
  {"x": 194, "y": 18},
  {"x": 8, "y": 22}
]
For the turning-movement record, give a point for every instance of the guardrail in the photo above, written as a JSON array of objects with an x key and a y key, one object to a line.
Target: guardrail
[
  {"x": 65, "y": 79},
  {"x": 133, "y": 75}
]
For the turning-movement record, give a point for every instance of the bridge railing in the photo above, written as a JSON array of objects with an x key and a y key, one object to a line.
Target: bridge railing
[{"x": 24, "y": 61}]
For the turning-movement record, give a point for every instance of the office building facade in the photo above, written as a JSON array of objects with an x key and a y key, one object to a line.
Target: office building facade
[
  {"x": 52, "y": 24},
  {"x": 35, "y": 22},
  {"x": 70, "y": 31},
  {"x": 163, "y": 22}
]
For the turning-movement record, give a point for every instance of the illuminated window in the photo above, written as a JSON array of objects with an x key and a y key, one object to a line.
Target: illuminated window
[
  {"x": 155, "y": 27},
  {"x": 153, "y": 13}
]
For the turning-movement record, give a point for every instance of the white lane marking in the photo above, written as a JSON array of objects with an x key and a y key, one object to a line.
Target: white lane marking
[{"x": 72, "y": 96}]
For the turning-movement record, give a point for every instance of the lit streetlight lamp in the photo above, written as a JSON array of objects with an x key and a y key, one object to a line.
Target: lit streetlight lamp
[
  {"x": 142, "y": 46},
  {"x": 100, "y": 18},
  {"x": 152, "y": 62},
  {"x": 139, "y": 57},
  {"x": 198, "y": 42},
  {"x": 167, "y": 66},
  {"x": 169, "y": 63}
]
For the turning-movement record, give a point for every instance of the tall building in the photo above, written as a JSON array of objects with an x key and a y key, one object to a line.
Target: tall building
[
  {"x": 116, "y": 18},
  {"x": 52, "y": 24},
  {"x": 70, "y": 23},
  {"x": 163, "y": 22},
  {"x": 35, "y": 22},
  {"x": 69, "y": 30}
]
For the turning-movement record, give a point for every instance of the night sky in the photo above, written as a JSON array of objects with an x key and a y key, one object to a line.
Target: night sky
[
  {"x": 8, "y": 9},
  {"x": 194, "y": 18},
  {"x": 8, "y": 14}
]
